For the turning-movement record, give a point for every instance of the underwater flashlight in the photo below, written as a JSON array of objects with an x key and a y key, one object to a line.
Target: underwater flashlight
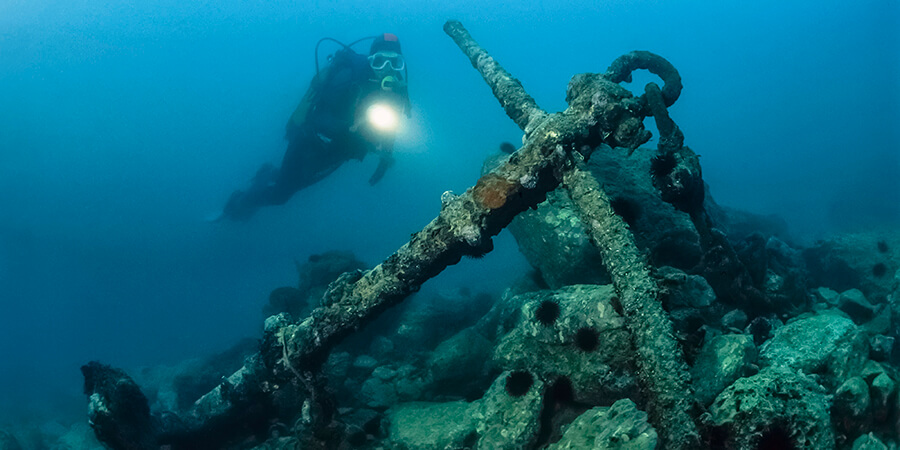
[{"x": 382, "y": 117}]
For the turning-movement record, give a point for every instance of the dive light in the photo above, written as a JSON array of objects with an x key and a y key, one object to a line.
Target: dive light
[{"x": 383, "y": 117}]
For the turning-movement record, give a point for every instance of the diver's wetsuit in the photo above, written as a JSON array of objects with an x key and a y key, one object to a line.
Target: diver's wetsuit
[{"x": 319, "y": 136}]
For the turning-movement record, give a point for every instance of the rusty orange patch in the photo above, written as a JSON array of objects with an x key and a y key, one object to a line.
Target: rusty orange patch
[{"x": 491, "y": 191}]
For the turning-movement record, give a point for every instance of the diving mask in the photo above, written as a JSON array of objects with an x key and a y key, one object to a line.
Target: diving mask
[{"x": 380, "y": 60}]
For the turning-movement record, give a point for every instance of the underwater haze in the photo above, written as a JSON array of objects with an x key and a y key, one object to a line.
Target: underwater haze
[{"x": 124, "y": 125}]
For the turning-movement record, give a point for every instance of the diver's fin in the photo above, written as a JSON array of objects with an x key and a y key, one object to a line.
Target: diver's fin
[{"x": 215, "y": 217}]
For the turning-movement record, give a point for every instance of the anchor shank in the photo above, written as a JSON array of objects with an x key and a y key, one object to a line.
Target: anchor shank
[{"x": 519, "y": 106}]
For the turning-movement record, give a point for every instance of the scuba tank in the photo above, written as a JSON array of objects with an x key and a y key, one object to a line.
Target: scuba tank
[{"x": 344, "y": 47}]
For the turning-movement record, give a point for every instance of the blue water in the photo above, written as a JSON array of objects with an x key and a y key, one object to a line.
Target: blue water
[{"x": 124, "y": 124}]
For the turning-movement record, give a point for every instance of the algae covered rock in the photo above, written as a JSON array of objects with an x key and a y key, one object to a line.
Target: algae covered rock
[
  {"x": 855, "y": 304},
  {"x": 280, "y": 443},
  {"x": 884, "y": 392},
  {"x": 739, "y": 224},
  {"x": 868, "y": 442},
  {"x": 509, "y": 415},
  {"x": 690, "y": 301},
  {"x": 721, "y": 361},
  {"x": 576, "y": 333},
  {"x": 8, "y": 441},
  {"x": 424, "y": 322},
  {"x": 315, "y": 275},
  {"x": 552, "y": 239},
  {"x": 667, "y": 235},
  {"x": 775, "y": 406},
  {"x": 685, "y": 291},
  {"x": 118, "y": 411},
  {"x": 851, "y": 401},
  {"x": 289, "y": 300},
  {"x": 378, "y": 393},
  {"x": 865, "y": 261},
  {"x": 460, "y": 363},
  {"x": 621, "y": 426},
  {"x": 425, "y": 426},
  {"x": 882, "y": 347},
  {"x": 552, "y": 236},
  {"x": 323, "y": 268},
  {"x": 175, "y": 388},
  {"x": 828, "y": 343},
  {"x": 77, "y": 437},
  {"x": 777, "y": 270},
  {"x": 387, "y": 385}
]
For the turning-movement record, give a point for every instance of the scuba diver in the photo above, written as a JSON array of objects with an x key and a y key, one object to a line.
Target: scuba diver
[{"x": 351, "y": 108}]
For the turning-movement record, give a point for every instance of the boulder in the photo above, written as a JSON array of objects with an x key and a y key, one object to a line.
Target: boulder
[
  {"x": 883, "y": 390},
  {"x": 776, "y": 408},
  {"x": 866, "y": 261},
  {"x": 851, "y": 405},
  {"x": 426, "y": 426},
  {"x": 777, "y": 270},
  {"x": 621, "y": 427},
  {"x": 667, "y": 235},
  {"x": 553, "y": 240},
  {"x": 738, "y": 224},
  {"x": 574, "y": 333},
  {"x": 868, "y": 442},
  {"x": 508, "y": 416},
  {"x": 388, "y": 385},
  {"x": 460, "y": 364},
  {"x": 854, "y": 303},
  {"x": 721, "y": 361},
  {"x": 691, "y": 302},
  {"x": 8, "y": 441},
  {"x": 829, "y": 344}
]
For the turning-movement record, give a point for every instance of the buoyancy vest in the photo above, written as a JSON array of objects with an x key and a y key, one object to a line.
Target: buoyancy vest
[{"x": 347, "y": 81}]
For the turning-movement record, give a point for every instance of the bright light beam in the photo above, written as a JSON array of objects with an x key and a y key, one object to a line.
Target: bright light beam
[{"x": 382, "y": 117}]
